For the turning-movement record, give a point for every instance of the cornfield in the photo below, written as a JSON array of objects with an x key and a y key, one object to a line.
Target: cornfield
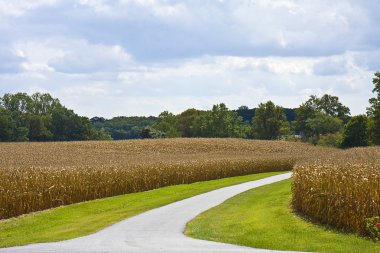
[
  {"x": 341, "y": 190},
  {"x": 38, "y": 176}
]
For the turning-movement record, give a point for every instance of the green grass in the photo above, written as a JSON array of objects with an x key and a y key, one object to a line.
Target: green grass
[
  {"x": 88, "y": 217},
  {"x": 262, "y": 218}
]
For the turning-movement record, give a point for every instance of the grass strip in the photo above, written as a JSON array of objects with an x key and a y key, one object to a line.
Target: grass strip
[
  {"x": 262, "y": 218},
  {"x": 85, "y": 218}
]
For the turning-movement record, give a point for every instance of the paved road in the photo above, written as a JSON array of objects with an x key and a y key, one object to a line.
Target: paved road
[{"x": 158, "y": 230}]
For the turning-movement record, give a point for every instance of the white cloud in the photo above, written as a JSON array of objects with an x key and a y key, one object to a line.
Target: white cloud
[
  {"x": 72, "y": 56},
  {"x": 300, "y": 26},
  {"x": 133, "y": 57},
  {"x": 158, "y": 8},
  {"x": 18, "y": 8},
  {"x": 91, "y": 90}
]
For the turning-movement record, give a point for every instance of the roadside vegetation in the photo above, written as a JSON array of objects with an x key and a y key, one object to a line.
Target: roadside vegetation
[
  {"x": 263, "y": 218},
  {"x": 88, "y": 217}
]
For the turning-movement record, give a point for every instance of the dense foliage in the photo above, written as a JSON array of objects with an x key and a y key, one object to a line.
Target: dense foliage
[
  {"x": 319, "y": 120},
  {"x": 121, "y": 128},
  {"x": 40, "y": 117},
  {"x": 269, "y": 121},
  {"x": 220, "y": 122},
  {"x": 374, "y": 111},
  {"x": 318, "y": 116},
  {"x": 355, "y": 132}
]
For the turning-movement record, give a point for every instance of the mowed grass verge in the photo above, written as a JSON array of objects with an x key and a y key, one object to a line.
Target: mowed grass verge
[
  {"x": 262, "y": 218},
  {"x": 88, "y": 217}
]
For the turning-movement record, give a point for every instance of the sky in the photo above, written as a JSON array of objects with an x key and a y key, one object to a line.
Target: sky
[{"x": 142, "y": 57}]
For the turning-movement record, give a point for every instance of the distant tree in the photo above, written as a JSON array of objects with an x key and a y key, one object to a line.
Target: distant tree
[
  {"x": 38, "y": 128},
  {"x": 331, "y": 106},
  {"x": 323, "y": 123},
  {"x": 327, "y": 104},
  {"x": 151, "y": 133},
  {"x": 269, "y": 121},
  {"x": 216, "y": 121},
  {"x": 95, "y": 120},
  {"x": 246, "y": 114},
  {"x": 21, "y": 134},
  {"x": 221, "y": 122},
  {"x": 376, "y": 82},
  {"x": 303, "y": 113},
  {"x": 290, "y": 114},
  {"x": 374, "y": 112},
  {"x": 187, "y": 123},
  {"x": 19, "y": 102},
  {"x": 101, "y": 134},
  {"x": 66, "y": 125},
  {"x": 7, "y": 125},
  {"x": 43, "y": 103},
  {"x": 167, "y": 123},
  {"x": 121, "y": 128},
  {"x": 355, "y": 132},
  {"x": 40, "y": 117},
  {"x": 243, "y": 108}
]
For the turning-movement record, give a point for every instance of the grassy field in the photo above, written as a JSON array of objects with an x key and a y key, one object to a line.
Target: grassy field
[
  {"x": 39, "y": 176},
  {"x": 88, "y": 217},
  {"x": 262, "y": 218}
]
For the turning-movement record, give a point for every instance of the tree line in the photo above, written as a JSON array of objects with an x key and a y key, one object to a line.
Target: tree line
[
  {"x": 320, "y": 120},
  {"x": 40, "y": 117}
]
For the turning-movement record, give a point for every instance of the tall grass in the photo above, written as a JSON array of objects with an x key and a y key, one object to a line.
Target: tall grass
[
  {"x": 341, "y": 190},
  {"x": 38, "y": 176}
]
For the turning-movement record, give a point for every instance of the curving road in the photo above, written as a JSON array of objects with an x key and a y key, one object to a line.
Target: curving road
[{"x": 158, "y": 230}]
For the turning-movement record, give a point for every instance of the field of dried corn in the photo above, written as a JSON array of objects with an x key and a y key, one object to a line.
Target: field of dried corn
[
  {"x": 340, "y": 190},
  {"x": 38, "y": 176}
]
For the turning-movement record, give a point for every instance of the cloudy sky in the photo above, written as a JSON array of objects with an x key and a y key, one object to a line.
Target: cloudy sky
[{"x": 141, "y": 57}]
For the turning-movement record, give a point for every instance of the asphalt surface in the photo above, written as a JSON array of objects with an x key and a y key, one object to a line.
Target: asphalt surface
[{"x": 157, "y": 230}]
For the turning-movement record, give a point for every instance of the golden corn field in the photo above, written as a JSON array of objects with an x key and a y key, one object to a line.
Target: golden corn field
[
  {"x": 334, "y": 187},
  {"x": 341, "y": 190},
  {"x": 38, "y": 176}
]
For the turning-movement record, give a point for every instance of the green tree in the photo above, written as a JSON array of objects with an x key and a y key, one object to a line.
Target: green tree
[
  {"x": 121, "y": 128},
  {"x": 221, "y": 123},
  {"x": 355, "y": 132},
  {"x": 100, "y": 134},
  {"x": 40, "y": 117},
  {"x": 331, "y": 106},
  {"x": 43, "y": 103},
  {"x": 187, "y": 123},
  {"x": 374, "y": 111},
  {"x": 151, "y": 133},
  {"x": 7, "y": 125},
  {"x": 21, "y": 134},
  {"x": 327, "y": 104},
  {"x": 269, "y": 121},
  {"x": 67, "y": 126},
  {"x": 167, "y": 123},
  {"x": 19, "y": 102},
  {"x": 323, "y": 123},
  {"x": 216, "y": 121},
  {"x": 303, "y": 113},
  {"x": 38, "y": 130}
]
